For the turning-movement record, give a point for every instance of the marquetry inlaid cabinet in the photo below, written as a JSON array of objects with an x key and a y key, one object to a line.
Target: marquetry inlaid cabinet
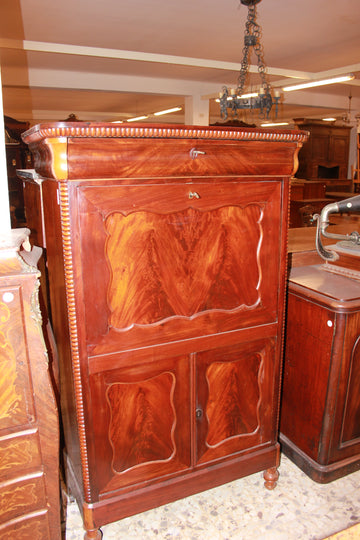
[
  {"x": 29, "y": 432},
  {"x": 166, "y": 250}
]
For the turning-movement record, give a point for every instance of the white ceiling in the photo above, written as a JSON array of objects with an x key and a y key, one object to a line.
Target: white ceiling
[{"x": 115, "y": 59}]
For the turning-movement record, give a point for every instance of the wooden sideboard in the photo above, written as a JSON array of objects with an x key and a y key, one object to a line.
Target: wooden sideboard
[
  {"x": 166, "y": 251},
  {"x": 320, "y": 407},
  {"x": 29, "y": 430}
]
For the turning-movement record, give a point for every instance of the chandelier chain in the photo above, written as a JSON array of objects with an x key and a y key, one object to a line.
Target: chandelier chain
[{"x": 235, "y": 99}]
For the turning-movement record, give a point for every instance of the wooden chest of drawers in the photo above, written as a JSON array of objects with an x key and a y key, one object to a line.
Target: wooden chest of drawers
[
  {"x": 29, "y": 432},
  {"x": 166, "y": 251}
]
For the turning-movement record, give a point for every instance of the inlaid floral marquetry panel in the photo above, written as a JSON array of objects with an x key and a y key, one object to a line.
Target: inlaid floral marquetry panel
[{"x": 15, "y": 401}]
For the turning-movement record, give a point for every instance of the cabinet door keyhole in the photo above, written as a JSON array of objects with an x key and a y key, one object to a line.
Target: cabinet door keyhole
[{"x": 198, "y": 413}]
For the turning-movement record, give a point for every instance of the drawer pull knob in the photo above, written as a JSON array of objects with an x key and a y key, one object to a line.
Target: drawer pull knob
[
  {"x": 194, "y": 153},
  {"x": 194, "y": 195}
]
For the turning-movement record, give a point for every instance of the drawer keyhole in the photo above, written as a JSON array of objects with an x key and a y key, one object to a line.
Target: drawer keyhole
[{"x": 194, "y": 195}]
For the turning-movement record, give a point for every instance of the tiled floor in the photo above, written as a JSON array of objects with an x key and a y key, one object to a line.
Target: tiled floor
[{"x": 298, "y": 509}]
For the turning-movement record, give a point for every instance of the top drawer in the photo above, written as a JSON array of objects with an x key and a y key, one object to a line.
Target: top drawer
[
  {"x": 161, "y": 158},
  {"x": 85, "y": 150}
]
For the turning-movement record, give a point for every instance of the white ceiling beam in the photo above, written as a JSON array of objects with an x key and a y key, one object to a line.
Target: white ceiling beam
[
  {"x": 77, "y": 50},
  {"x": 47, "y": 78},
  {"x": 315, "y": 99}
]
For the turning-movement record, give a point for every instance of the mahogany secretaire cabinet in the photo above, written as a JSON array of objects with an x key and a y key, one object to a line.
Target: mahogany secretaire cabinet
[
  {"x": 166, "y": 250},
  {"x": 29, "y": 427}
]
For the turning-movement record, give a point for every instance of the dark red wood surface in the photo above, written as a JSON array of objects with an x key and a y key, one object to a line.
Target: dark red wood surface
[
  {"x": 167, "y": 272},
  {"x": 320, "y": 411}
]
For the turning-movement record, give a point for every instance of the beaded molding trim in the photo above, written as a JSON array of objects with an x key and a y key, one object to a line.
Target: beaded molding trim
[
  {"x": 341, "y": 270},
  {"x": 70, "y": 294},
  {"x": 85, "y": 130}
]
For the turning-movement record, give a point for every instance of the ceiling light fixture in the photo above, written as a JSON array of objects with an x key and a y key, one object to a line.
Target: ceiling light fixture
[
  {"x": 330, "y": 119},
  {"x": 168, "y": 111},
  {"x": 235, "y": 99},
  {"x": 136, "y": 118},
  {"x": 321, "y": 82},
  {"x": 274, "y": 124}
]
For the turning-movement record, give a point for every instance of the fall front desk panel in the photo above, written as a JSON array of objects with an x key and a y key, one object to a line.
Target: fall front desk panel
[{"x": 166, "y": 254}]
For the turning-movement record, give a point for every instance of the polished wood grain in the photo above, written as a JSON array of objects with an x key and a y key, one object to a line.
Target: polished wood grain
[
  {"x": 182, "y": 264},
  {"x": 141, "y": 426},
  {"x": 166, "y": 250},
  {"x": 202, "y": 259}
]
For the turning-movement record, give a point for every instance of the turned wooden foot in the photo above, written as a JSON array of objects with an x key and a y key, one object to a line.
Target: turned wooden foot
[
  {"x": 271, "y": 476},
  {"x": 94, "y": 534}
]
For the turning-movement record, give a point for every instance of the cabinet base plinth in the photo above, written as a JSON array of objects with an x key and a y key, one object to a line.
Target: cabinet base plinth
[
  {"x": 119, "y": 506},
  {"x": 323, "y": 474}
]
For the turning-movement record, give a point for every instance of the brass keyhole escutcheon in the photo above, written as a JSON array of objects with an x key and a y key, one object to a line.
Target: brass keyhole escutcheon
[{"x": 194, "y": 195}]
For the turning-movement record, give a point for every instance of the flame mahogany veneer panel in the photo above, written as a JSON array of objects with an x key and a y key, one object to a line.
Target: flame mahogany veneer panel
[{"x": 164, "y": 259}]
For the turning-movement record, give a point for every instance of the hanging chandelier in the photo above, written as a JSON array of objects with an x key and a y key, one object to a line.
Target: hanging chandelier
[{"x": 234, "y": 99}]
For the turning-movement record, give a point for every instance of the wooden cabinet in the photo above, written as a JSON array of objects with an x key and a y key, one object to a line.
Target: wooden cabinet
[
  {"x": 29, "y": 433},
  {"x": 320, "y": 411},
  {"x": 326, "y": 153},
  {"x": 17, "y": 157},
  {"x": 166, "y": 252}
]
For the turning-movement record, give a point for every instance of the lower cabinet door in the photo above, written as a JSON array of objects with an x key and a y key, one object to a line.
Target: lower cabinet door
[
  {"x": 235, "y": 399},
  {"x": 165, "y": 416},
  {"x": 141, "y": 422}
]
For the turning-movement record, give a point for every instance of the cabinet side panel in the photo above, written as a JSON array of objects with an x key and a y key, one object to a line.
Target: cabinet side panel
[
  {"x": 59, "y": 320},
  {"x": 306, "y": 371}
]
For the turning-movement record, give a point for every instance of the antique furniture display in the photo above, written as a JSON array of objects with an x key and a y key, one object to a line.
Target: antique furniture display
[
  {"x": 29, "y": 432},
  {"x": 166, "y": 251},
  {"x": 326, "y": 153}
]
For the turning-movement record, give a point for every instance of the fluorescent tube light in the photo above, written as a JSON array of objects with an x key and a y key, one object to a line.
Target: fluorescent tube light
[
  {"x": 323, "y": 82},
  {"x": 167, "y": 111},
  {"x": 274, "y": 124},
  {"x": 328, "y": 119},
  {"x": 136, "y": 118},
  {"x": 246, "y": 96},
  {"x": 243, "y": 96}
]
